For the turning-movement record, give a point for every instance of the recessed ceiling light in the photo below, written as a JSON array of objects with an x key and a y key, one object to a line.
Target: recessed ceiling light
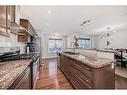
[
  {"x": 47, "y": 24},
  {"x": 49, "y": 11}
]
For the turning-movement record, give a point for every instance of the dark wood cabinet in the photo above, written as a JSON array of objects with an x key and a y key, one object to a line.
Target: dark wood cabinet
[
  {"x": 27, "y": 25},
  {"x": 83, "y": 76},
  {"x": 25, "y": 82},
  {"x": 7, "y": 15},
  {"x": 27, "y": 78},
  {"x": 62, "y": 57},
  {"x": 3, "y": 20}
]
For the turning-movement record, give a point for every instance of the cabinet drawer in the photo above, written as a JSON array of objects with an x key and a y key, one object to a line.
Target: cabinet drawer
[
  {"x": 87, "y": 71},
  {"x": 25, "y": 81},
  {"x": 83, "y": 79},
  {"x": 77, "y": 82}
]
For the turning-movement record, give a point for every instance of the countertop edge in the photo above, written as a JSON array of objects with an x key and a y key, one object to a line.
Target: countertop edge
[{"x": 93, "y": 66}]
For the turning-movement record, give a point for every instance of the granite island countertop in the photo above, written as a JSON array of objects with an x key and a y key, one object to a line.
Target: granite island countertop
[
  {"x": 95, "y": 62},
  {"x": 10, "y": 70}
]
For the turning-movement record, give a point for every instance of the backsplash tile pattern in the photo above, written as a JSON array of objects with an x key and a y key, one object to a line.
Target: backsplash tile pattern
[
  {"x": 4, "y": 41},
  {"x": 11, "y": 44}
]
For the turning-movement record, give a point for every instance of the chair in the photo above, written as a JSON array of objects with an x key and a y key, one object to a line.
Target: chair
[{"x": 121, "y": 59}]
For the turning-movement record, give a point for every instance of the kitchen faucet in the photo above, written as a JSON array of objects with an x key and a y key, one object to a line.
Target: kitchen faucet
[
  {"x": 72, "y": 44},
  {"x": 75, "y": 44}
]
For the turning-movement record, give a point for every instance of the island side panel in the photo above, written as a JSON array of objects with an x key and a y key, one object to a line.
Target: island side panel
[{"x": 104, "y": 77}]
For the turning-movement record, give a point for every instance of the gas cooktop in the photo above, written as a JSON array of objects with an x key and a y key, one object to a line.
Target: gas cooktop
[{"x": 18, "y": 56}]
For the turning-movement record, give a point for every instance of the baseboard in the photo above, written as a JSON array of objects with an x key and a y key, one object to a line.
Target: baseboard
[{"x": 49, "y": 57}]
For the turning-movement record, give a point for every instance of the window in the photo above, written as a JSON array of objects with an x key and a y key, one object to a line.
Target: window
[
  {"x": 55, "y": 45},
  {"x": 84, "y": 43}
]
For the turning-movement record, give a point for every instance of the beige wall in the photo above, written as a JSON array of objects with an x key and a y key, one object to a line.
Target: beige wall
[
  {"x": 44, "y": 43},
  {"x": 118, "y": 39}
]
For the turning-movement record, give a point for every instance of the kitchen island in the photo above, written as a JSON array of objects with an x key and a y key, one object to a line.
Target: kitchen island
[
  {"x": 88, "y": 72},
  {"x": 15, "y": 74}
]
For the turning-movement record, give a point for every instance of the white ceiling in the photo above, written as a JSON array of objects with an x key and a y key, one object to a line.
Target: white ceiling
[{"x": 67, "y": 19}]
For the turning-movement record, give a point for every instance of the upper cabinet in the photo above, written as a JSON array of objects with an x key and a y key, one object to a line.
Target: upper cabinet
[
  {"x": 10, "y": 22},
  {"x": 29, "y": 28},
  {"x": 6, "y": 16},
  {"x": 3, "y": 20}
]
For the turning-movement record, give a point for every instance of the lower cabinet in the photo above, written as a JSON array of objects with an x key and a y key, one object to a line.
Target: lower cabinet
[
  {"x": 62, "y": 62},
  {"x": 25, "y": 82},
  {"x": 27, "y": 79},
  {"x": 83, "y": 76}
]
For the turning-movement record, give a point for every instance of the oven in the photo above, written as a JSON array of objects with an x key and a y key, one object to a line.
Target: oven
[{"x": 34, "y": 71}]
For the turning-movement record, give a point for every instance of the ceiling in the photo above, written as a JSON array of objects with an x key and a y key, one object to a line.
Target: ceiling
[{"x": 67, "y": 19}]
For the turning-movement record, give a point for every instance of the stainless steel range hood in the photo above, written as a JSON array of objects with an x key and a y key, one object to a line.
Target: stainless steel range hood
[{"x": 18, "y": 29}]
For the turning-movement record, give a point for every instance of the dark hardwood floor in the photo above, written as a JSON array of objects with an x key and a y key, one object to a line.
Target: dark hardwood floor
[
  {"x": 120, "y": 82},
  {"x": 51, "y": 77}
]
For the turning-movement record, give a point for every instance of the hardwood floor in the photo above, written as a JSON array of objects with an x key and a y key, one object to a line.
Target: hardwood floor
[
  {"x": 51, "y": 77},
  {"x": 120, "y": 82},
  {"x": 120, "y": 78}
]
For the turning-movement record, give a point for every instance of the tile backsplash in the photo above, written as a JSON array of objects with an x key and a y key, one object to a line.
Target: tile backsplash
[
  {"x": 11, "y": 44},
  {"x": 4, "y": 41}
]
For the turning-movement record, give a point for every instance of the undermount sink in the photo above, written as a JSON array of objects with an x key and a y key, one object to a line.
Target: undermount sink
[{"x": 71, "y": 53}]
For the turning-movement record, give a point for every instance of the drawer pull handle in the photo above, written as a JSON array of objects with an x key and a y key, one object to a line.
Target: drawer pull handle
[
  {"x": 84, "y": 78},
  {"x": 83, "y": 67},
  {"x": 87, "y": 68}
]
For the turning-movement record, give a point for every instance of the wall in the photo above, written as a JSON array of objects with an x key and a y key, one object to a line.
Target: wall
[
  {"x": 8, "y": 42},
  {"x": 118, "y": 39},
  {"x": 69, "y": 39},
  {"x": 44, "y": 43}
]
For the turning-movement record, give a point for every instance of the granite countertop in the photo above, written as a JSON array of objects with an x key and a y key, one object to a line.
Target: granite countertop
[
  {"x": 92, "y": 61},
  {"x": 104, "y": 50},
  {"x": 99, "y": 50},
  {"x": 10, "y": 70}
]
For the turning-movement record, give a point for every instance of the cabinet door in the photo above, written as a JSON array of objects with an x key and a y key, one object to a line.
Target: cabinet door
[
  {"x": 78, "y": 81},
  {"x": 67, "y": 66},
  {"x": 25, "y": 82},
  {"x": 84, "y": 69},
  {"x": 24, "y": 23},
  {"x": 8, "y": 17},
  {"x": 62, "y": 62},
  {"x": 3, "y": 20},
  {"x": 35, "y": 71},
  {"x": 23, "y": 38}
]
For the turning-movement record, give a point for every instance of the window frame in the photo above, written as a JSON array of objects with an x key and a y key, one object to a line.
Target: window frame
[
  {"x": 55, "y": 39},
  {"x": 85, "y": 39}
]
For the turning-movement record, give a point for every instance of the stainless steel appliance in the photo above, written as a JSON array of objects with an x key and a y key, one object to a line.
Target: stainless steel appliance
[
  {"x": 34, "y": 46},
  {"x": 58, "y": 59},
  {"x": 35, "y": 71}
]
